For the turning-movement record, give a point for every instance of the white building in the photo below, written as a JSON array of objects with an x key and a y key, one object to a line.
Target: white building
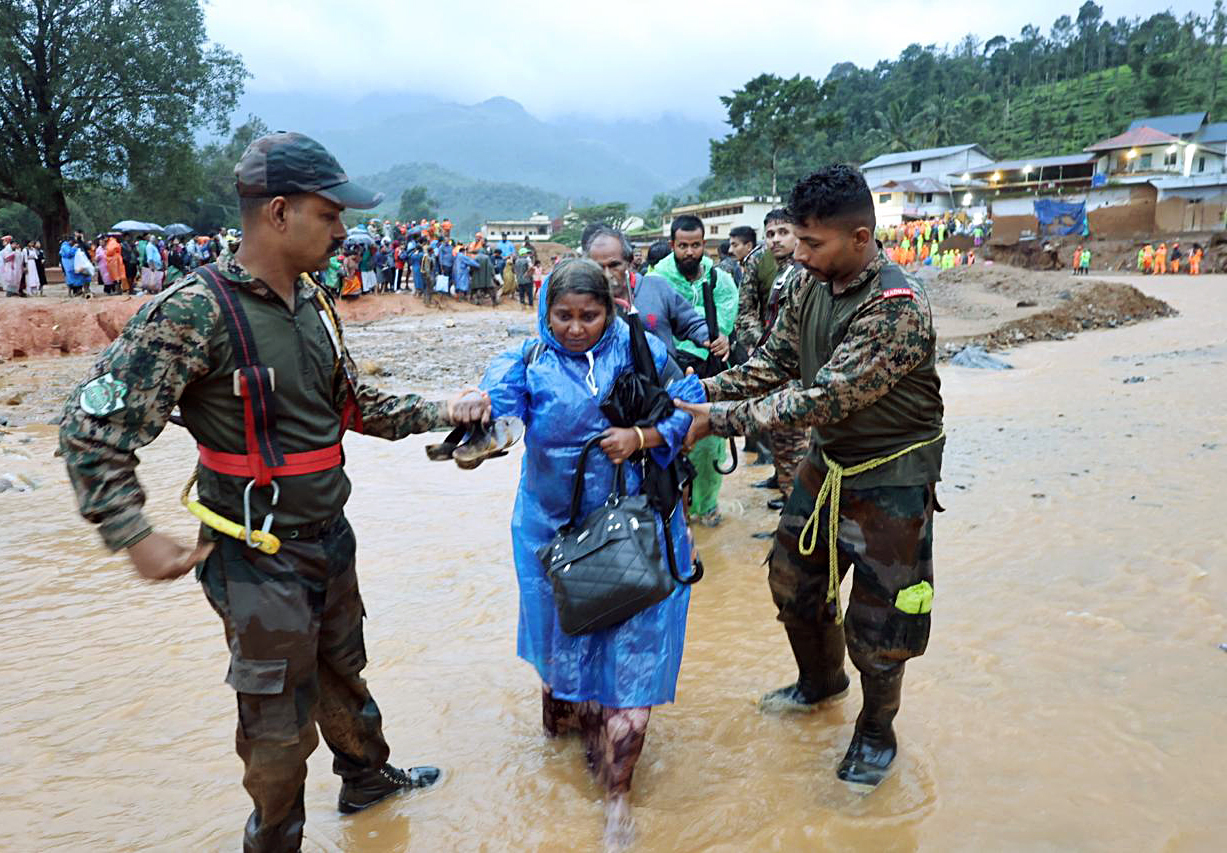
[
  {"x": 536, "y": 227},
  {"x": 722, "y": 216},
  {"x": 1144, "y": 150},
  {"x": 927, "y": 171},
  {"x": 923, "y": 198}
]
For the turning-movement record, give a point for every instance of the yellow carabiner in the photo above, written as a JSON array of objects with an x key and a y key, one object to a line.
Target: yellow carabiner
[{"x": 265, "y": 542}]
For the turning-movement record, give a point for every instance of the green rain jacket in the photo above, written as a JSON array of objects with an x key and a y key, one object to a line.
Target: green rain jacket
[{"x": 692, "y": 291}]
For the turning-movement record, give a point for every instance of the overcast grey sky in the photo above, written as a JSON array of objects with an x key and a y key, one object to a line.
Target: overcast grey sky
[{"x": 630, "y": 57}]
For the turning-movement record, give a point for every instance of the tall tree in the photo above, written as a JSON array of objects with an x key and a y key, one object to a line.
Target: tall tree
[
  {"x": 614, "y": 214},
  {"x": 769, "y": 116},
  {"x": 415, "y": 204},
  {"x": 1217, "y": 30},
  {"x": 95, "y": 89}
]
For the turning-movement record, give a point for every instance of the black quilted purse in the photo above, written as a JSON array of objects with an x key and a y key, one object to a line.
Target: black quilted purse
[{"x": 610, "y": 567}]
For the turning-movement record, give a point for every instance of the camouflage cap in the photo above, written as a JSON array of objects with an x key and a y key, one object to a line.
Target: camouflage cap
[{"x": 287, "y": 163}]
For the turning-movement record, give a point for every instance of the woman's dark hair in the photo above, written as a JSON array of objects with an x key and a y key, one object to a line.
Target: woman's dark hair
[{"x": 583, "y": 276}]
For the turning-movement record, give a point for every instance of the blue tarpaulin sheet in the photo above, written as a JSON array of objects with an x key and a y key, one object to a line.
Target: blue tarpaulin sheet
[{"x": 1060, "y": 217}]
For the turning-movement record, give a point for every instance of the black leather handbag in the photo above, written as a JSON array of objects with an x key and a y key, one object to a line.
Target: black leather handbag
[{"x": 609, "y": 567}]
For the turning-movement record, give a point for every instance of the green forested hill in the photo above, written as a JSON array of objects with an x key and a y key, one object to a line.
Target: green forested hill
[
  {"x": 1032, "y": 95},
  {"x": 1065, "y": 117}
]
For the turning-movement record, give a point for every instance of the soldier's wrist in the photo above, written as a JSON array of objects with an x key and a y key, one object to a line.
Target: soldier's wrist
[
  {"x": 125, "y": 530},
  {"x": 718, "y": 416}
]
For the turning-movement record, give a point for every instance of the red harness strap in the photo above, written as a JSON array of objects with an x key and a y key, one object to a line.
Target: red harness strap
[
  {"x": 263, "y": 459},
  {"x": 238, "y": 464}
]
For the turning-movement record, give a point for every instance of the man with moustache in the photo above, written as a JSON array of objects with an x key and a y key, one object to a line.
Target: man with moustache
[
  {"x": 852, "y": 355},
  {"x": 250, "y": 351}
]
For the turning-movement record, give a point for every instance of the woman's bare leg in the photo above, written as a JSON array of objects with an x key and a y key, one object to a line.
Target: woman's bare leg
[
  {"x": 558, "y": 716},
  {"x": 623, "y": 732}
]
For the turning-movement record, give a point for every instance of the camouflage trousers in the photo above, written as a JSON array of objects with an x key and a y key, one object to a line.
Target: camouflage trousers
[
  {"x": 293, "y": 621},
  {"x": 886, "y": 537},
  {"x": 788, "y": 448}
]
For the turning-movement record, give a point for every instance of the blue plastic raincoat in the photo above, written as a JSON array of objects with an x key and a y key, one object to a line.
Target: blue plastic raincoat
[{"x": 636, "y": 663}]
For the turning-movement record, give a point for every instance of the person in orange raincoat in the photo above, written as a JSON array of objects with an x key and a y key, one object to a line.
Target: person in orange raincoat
[
  {"x": 1161, "y": 259},
  {"x": 1148, "y": 258},
  {"x": 1195, "y": 260},
  {"x": 115, "y": 264}
]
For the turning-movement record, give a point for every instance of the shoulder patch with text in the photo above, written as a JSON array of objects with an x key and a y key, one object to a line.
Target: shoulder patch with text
[{"x": 898, "y": 291}]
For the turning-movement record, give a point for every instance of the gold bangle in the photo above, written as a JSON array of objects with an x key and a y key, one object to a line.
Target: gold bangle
[{"x": 642, "y": 440}]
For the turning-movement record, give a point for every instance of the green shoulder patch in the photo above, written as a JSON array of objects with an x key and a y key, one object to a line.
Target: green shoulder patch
[{"x": 103, "y": 396}]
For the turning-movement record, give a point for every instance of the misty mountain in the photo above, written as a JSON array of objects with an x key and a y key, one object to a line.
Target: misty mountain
[
  {"x": 498, "y": 140},
  {"x": 468, "y": 201}
]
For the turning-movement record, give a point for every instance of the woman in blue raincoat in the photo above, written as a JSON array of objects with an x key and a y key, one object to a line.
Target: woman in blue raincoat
[{"x": 602, "y": 684}]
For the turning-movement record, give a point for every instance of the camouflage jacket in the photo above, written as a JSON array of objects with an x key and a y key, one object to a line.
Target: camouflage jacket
[
  {"x": 174, "y": 340},
  {"x": 858, "y": 367},
  {"x": 758, "y": 273}
]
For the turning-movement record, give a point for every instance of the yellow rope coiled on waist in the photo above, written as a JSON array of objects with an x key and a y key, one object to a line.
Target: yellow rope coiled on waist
[
  {"x": 266, "y": 542},
  {"x": 832, "y": 484}
]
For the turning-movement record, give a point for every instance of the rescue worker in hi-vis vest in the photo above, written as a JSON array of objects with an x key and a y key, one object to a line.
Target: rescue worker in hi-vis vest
[
  {"x": 250, "y": 350},
  {"x": 852, "y": 356}
]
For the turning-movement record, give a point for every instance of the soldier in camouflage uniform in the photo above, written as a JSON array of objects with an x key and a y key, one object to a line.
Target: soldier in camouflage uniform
[
  {"x": 788, "y": 446},
  {"x": 292, "y": 619},
  {"x": 852, "y": 356}
]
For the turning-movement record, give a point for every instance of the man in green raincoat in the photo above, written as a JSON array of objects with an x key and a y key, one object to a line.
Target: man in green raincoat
[{"x": 687, "y": 268}]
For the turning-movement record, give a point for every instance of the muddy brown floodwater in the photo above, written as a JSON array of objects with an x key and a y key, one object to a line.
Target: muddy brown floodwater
[{"x": 1072, "y": 696}]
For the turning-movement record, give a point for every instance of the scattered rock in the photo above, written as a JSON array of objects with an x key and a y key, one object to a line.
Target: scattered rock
[
  {"x": 1133, "y": 380},
  {"x": 449, "y": 323},
  {"x": 978, "y": 357},
  {"x": 1038, "y": 495},
  {"x": 15, "y": 399},
  {"x": 1026, "y": 303},
  {"x": 519, "y": 331},
  {"x": 16, "y": 483},
  {"x": 3, "y": 421}
]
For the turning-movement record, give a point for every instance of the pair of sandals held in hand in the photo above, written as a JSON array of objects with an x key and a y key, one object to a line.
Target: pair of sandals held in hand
[{"x": 468, "y": 446}]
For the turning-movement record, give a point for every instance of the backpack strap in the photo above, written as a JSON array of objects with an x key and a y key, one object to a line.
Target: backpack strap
[
  {"x": 534, "y": 352},
  {"x": 253, "y": 382}
]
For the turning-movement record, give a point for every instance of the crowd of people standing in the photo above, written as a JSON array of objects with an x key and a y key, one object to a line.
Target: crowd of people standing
[
  {"x": 113, "y": 263},
  {"x": 1165, "y": 260},
  {"x": 425, "y": 259}
]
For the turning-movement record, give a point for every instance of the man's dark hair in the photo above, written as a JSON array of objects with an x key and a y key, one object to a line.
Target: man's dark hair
[
  {"x": 745, "y": 234},
  {"x": 657, "y": 252},
  {"x": 580, "y": 275},
  {"x": 836, "y": 193},
  {"x": 686, "y": 222},
  {"x": 725, "y": 249},
  {"x": 780, "y": 214}
]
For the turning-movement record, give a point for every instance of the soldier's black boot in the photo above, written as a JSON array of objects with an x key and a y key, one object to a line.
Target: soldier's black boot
[
  {"x": 283, "y": 837},
  {"x": 820, "y": 666},
  {"x": 873, "y": 744},
  {"x": 362, "y": 791}
]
